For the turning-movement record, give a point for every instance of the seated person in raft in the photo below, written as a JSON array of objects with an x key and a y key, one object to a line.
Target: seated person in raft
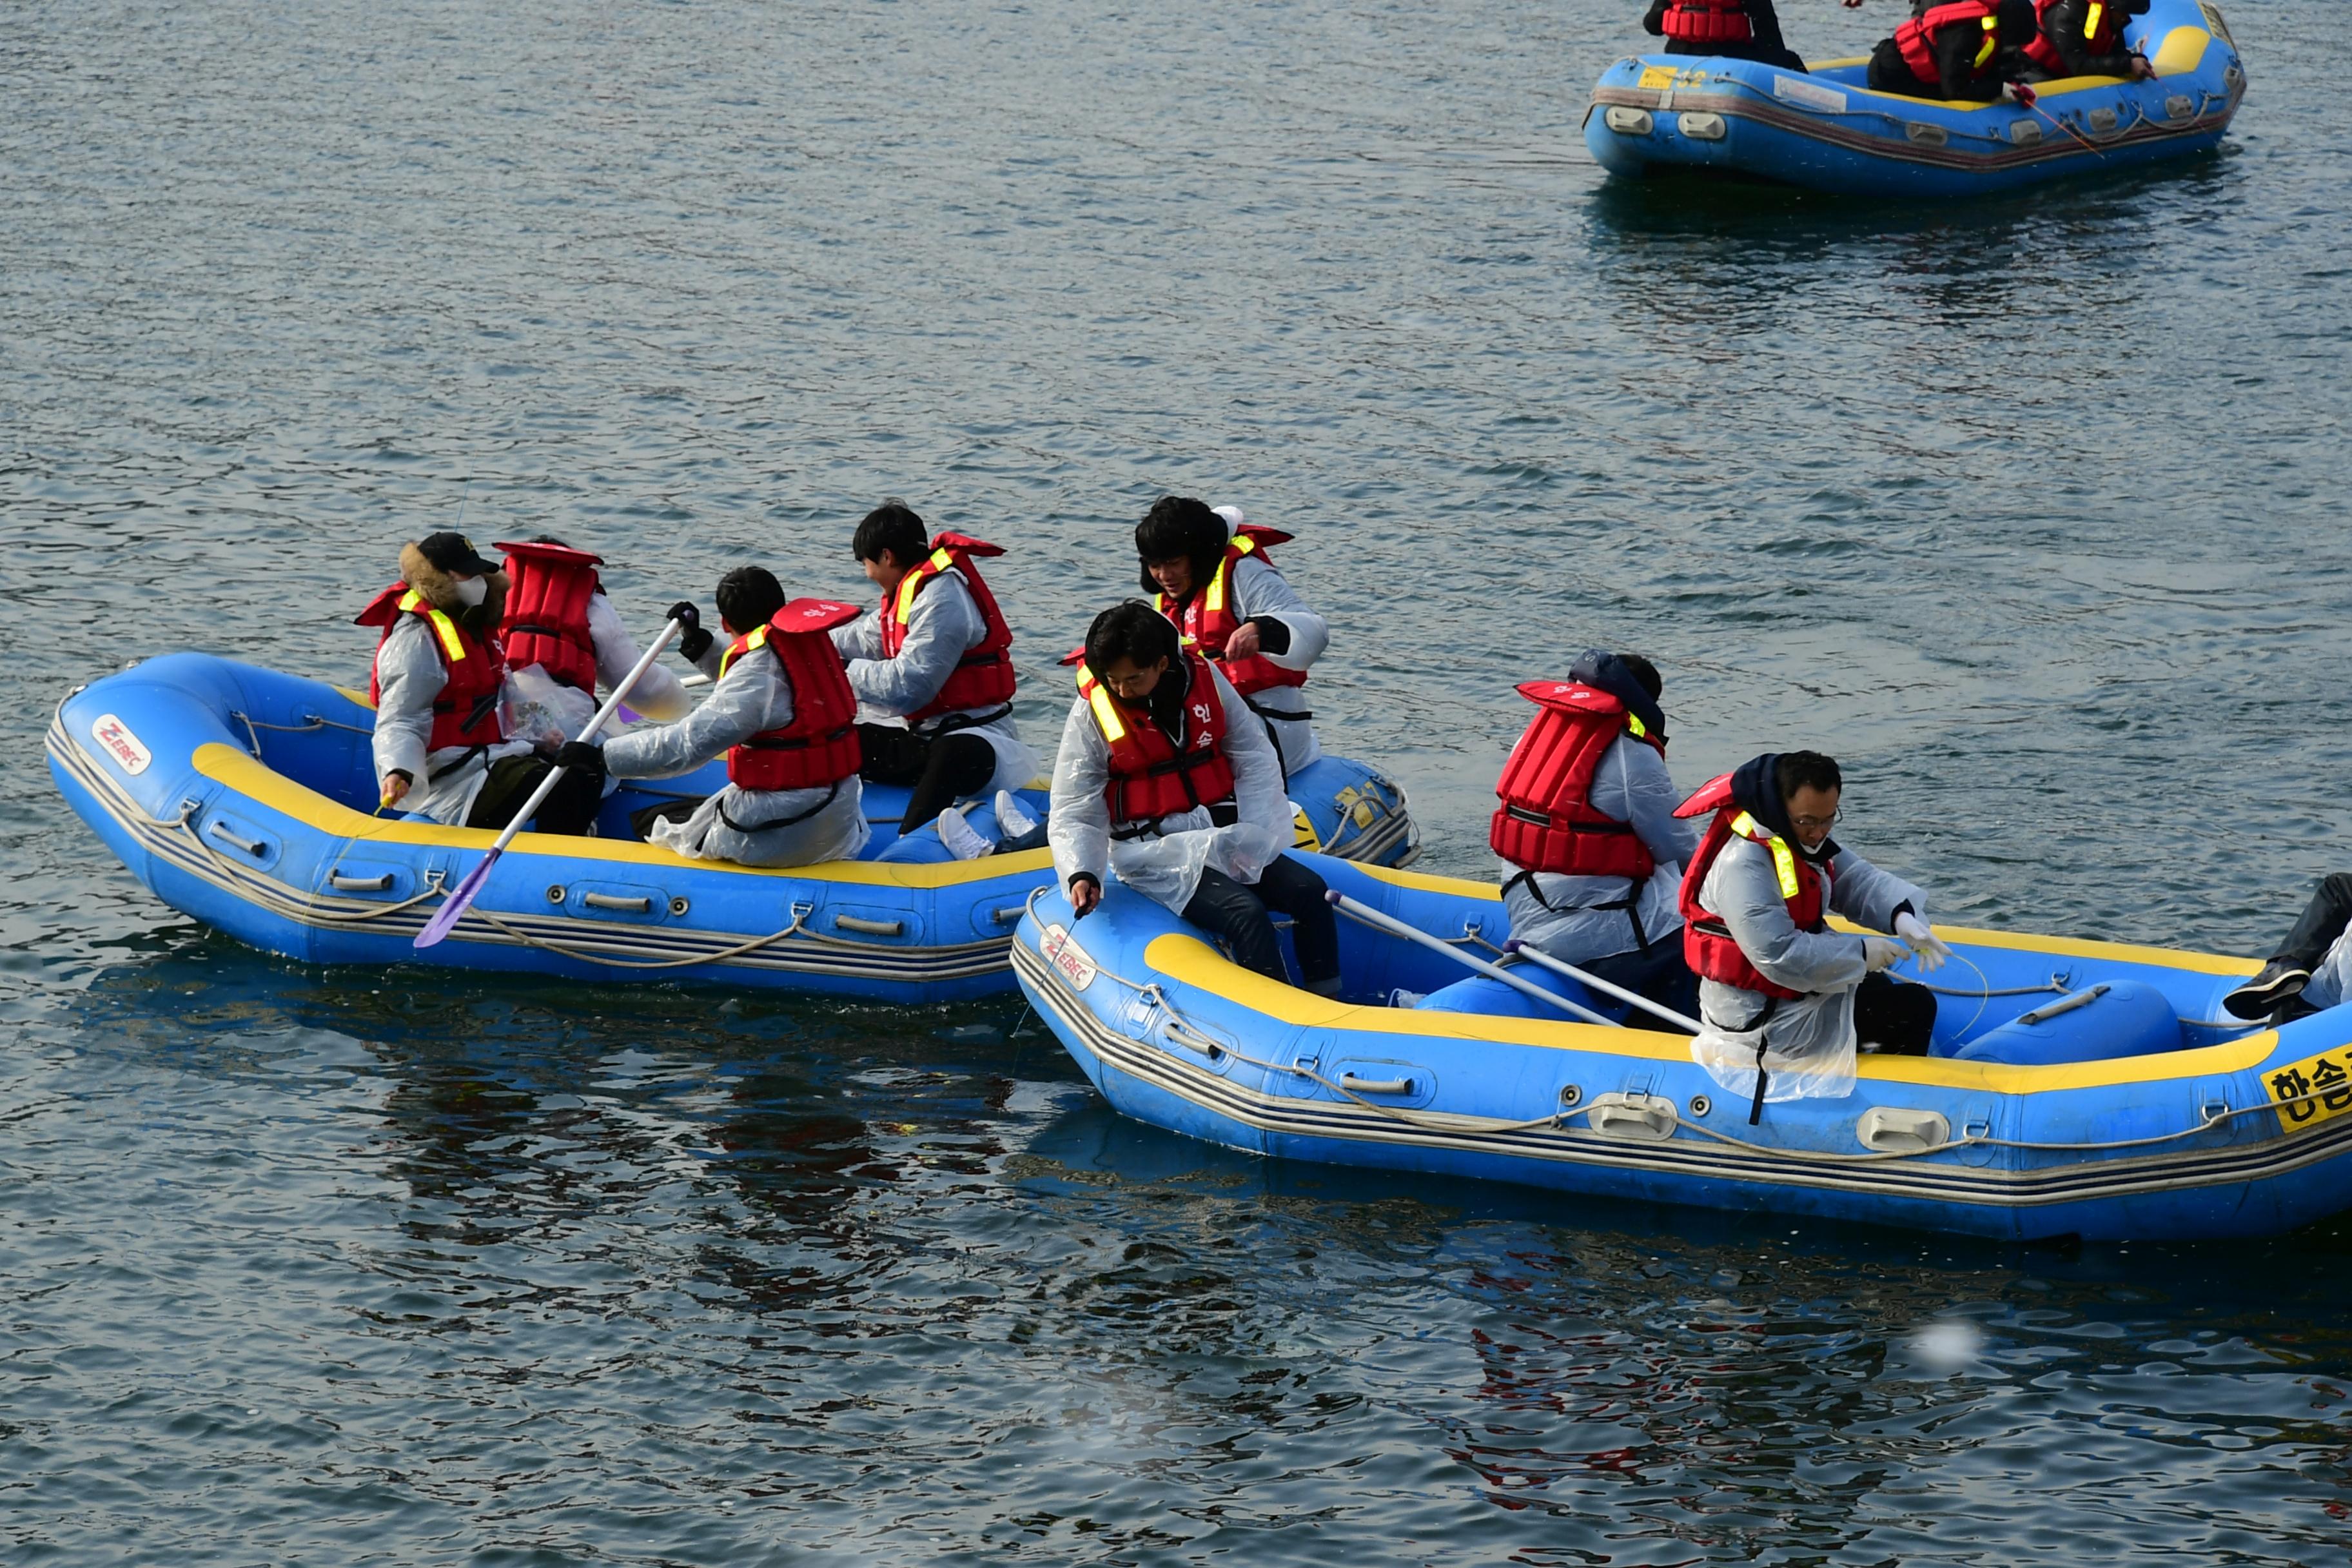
[
  {"x": 932, "y": 667},
  {"x": 559, "y": 619},
  {"x": 1734, "y": 29},
  {"x": 1207, "y": 571},
  {"x": 1163, "y": 779},
  {"x": 781, "y": 711},
  {"x": 1785, "y": 999},
  {"x": 1588, "y": 832},
  {"x": 2312, "y": 969},
  {"x": 1965, "y": 50},
  {"x": 441, "y": 746},
  {"x": 2084, "y": 37}
]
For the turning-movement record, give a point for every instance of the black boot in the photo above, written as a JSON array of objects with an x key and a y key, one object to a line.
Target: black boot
[{"x": 2281, "y": 980}]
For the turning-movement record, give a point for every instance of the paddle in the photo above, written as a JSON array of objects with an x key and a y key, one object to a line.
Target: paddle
[
  {"x": 459, "y": 901},
  {"x": 1535, "y": 956},
  {"x": 1379, "y": 922}
]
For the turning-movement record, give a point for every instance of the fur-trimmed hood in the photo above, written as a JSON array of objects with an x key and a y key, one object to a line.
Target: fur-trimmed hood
[{"x": 440, "y": 590}]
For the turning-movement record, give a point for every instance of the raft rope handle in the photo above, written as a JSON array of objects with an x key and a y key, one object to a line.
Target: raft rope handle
[
  {"x": 317, "y": 721},
  {"x": 1211, "y": 1048},
  {"x": 434, "y": 885}
]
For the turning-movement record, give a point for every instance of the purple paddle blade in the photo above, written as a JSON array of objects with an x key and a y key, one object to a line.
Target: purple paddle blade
[{"x": 456, "y": 904}]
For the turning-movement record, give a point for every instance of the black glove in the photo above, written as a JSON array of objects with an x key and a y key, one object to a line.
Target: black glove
[
  {"x": 587, "y": 756},
  {"x": 688, "y": 618}
]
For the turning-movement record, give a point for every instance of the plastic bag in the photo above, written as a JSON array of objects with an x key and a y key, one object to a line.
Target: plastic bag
[
  {"x": 1810, "y": 1051},
  {"x": 534, "y": 707}
]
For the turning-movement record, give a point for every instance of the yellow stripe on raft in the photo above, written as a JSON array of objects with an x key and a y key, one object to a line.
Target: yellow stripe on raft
[
  {"x": 2183, "y": 52},
  {"x": 230, "y": 767},
  {"x": 1191, "y": 961}
]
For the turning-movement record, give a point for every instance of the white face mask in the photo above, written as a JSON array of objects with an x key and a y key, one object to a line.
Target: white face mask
[{"x": 472, "y": 591}]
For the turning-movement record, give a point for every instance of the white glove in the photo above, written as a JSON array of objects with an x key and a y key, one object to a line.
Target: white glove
[
  {"x": 1923, "y": 939},
  {"x": 1882, "y": 952}
]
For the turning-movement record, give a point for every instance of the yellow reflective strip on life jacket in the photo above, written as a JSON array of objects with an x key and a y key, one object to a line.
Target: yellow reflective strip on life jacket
[
  {"x": 1784, "y": 863},
  {"x": 2091, "y": 21},
  {"x": 452, "y": 645},
  {"x": 1991, "y": 38},
  {"x": 1633, "y": 723},
  {"x": 1106, "y": 718},
  {"x": 1213, "y": 600},
  {"x": 759, "y": 638}
]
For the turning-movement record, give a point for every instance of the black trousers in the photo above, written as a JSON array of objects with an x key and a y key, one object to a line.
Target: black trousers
[
  {"x": 2324, "y": 920},
  {"x": 1756, "y": 49},
  {"x": 1897, "y": 1019},
  {"x": 1236, "y": 911},
  {"x": 942, "y": 768},
  {"x": 570, "y": 807},
  {"x": 1659, "y": 973}
]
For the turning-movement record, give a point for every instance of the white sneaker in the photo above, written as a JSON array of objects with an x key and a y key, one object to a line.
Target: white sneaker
[
  {"x": 1012, "y": 816},
  {"x": 963, "y": 841}
]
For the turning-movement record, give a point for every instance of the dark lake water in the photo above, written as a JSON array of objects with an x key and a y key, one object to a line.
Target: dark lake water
[{"x": 2029, "y": 512}]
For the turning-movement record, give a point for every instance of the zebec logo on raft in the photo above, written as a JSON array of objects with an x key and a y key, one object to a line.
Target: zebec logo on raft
[
  {"x": 1062, "y": 952},
  {"x": 124, "y": 747}
]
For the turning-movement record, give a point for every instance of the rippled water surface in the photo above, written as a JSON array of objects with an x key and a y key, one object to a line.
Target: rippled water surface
[{"x": 2028, "y": 511}]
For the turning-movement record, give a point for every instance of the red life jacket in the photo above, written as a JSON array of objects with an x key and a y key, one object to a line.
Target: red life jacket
[
  {"x": 1151, "y": 775},
  {"x": 819, "y": 747},
  {"x": 1547, "y": 821},
  {"x": 1206, "y": 617},
  {"x": 1916, "y": 38},
  {"x": 474, "y": 671},
  {"x": 546, "y": 620},
  {"x": 984, "y": 677},
  {"x": 2102, "y": 33},
  {"x": 1708, "y": 946},
  {"x": 1709, "y": 22}
]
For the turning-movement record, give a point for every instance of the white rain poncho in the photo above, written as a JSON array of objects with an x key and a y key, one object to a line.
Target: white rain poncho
[
  {"x": 409, "y": 676},
  {"x": 2331, "y": 977},
  {"x": 1257, "y": 589},
  {"x": 1167, "y": 868},
  {"x": 1810, "y": 1041},
  {"x": 751, "y": 827},
  {"x": 1562, "y": 915},
  {"x": 944, "y": 625}
]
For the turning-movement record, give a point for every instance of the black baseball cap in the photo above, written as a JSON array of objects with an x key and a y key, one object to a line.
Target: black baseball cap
[{"x": 456, "y": 553}]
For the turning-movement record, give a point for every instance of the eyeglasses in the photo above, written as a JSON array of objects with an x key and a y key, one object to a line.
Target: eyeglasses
[{"x": 1809, "y": 823}]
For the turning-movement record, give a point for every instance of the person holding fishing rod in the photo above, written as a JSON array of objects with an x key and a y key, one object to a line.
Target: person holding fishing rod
[
  {"x": 1783, "y": 999},
  {"x": 1585, "y": 825},
  {"x": 441, "y": 748},
  {"x": 1164, "y": 777}
]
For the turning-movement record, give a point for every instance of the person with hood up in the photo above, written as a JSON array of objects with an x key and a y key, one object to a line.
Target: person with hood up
[
  {"x": 1206, "y": 570},
  {"x": 1587, "y": 829},
  {"x": 441, "y": 748},
  {"x": 782, "y": 712},
  {"x": 932, "y": 667},
  {"x": 1969, "y": 50},
  {"x": 1785, "y": 999},
  {"x": 1163, "y": 779}
]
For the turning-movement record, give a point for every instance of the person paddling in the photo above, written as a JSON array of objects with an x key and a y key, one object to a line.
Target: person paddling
[
  {"x": 1785, "y": 999},
  {"x": 1587, "y": 831},
  {"x": 1163, "y": 778},
  {"x": 441, "y": 748}
]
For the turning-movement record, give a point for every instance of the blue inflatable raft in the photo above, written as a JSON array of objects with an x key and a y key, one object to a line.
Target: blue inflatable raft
[
  {"x": 1657, "y": 114},
  {"x": 239, "y": 795},
  {"x": 2075, "y": 1087}
]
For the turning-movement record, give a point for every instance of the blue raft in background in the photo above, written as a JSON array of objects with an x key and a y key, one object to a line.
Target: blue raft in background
[
  {"x": 1658, "y": 115},
  {"x": 2076, "y": 1087},
  {"x": 239, "y": 795}
]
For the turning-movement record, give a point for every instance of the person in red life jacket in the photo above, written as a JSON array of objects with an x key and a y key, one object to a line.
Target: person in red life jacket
[
  {"x": 1733, "y": 30},
  {"x": 1779, "y": 991},
  {"x": 559, "y": 619},
  {"x": 1966, "y": 49},
  {"x": 782, "y": 713},
  {"x": 441, "y": 750},
  {"x": 1207, "y": 571},
  {"x": 2084, "y": 37},
  {"x": 932, "y": 667},
  {"x": 1163, "y": 778},
  {"x": 1586, "y": 827}
]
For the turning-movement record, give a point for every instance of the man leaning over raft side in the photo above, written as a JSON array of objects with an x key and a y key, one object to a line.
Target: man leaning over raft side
[
  {"x": 1164, "y": 777},
  {"x": 780, "y": 711},
  {"x": 1777, "y": 986}
]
